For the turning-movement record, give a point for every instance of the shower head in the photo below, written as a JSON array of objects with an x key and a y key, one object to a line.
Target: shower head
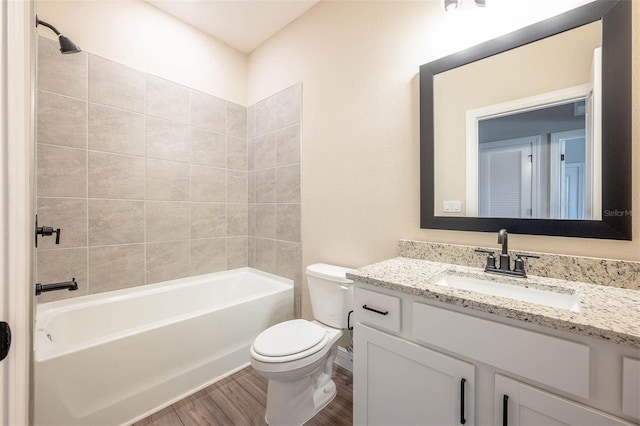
[{"x": 66, "y": 45}]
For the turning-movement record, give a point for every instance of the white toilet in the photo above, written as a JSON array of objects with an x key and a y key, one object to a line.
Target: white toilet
[{"x": 297, "y": 356}]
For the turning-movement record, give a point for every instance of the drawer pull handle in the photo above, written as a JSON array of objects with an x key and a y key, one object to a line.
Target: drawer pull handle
[
  {"x": 505, "y": 414},
  {"x": 462, "y": 419},
  {"x": 374, "y": 310}
]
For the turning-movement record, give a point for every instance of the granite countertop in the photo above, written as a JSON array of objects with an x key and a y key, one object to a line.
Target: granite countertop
[{"x": 607, "y": 313}]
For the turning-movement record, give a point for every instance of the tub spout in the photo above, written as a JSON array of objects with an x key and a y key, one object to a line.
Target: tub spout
[{"x": 43, "y": 288}]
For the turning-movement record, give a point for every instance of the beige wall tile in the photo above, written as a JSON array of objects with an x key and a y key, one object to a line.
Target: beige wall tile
[
  {"x": 62, "y": 172},
  {"x": 266, "y": 116},
  {"x": 208, "y": 148},
  {"x": 251, "y": 252},
  {"x": 288, "y": 145},
  {"x": 288, "y": 184},
  {"x": 251, "y": 219},
  {"x": 63, "y": 74},
  {"x": 265, "y": 255},
  {"x": 61, "y": 120},
  {"x": 236, "y": 186},
  {"x": 237, "y": 252},
  {"x": 167, "y": 261},
  {"x": 251, "y": 121},
  {"x": 265, "y": 186},
  {"x": 116, "y": 85},
  {"x": 236, "y": 120},
  {"x": 208, "y": 112},
  {"x": 115, "y": 130},
  {"x": 251, "y": 187},
  {"x": 167, "y": 180},
  {"x": 288, "y": 222},
  {"x": 237, "y": 219},
  {"x": 288, "y": 260},
  {"x": 265, "y": 217},
  {"x": 208, "y": 220},
  {"x": 288, "y": 106},
  {"x": 115, "y": 222},
  {"x": 265, "y": 151},
  {"x": 251, "y": 153},
  {"x": 115, "y": 267},
  {"x": 168, "y": 221},
  {"x": 208, "y": 255},
  {"x": 166, "y": 99},
  {"x": 236, "y": 153},
  {"x": 208, "y": 184},
  {"x": 116, "y": 176},
  {"x": 167, "y": 140},
  {"x": 68, "y": 214},
  {"x": 62, "y": 265}
]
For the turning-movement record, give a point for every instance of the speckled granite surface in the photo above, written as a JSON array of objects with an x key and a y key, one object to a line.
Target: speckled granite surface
[
  {"x": 613, "y": 273},
  {"x": 607, "y": 313}
]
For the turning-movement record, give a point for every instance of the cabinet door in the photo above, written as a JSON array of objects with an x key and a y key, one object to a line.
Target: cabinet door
[
  {"x": 527, "y": 406},
  {"x": 397, "y": 382}
]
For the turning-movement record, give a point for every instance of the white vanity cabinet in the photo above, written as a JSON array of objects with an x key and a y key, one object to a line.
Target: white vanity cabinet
[
  {"x": 518, "y": 404},
  {"x": 412, "y": 354},
  {"x": 402, "y": 383}
]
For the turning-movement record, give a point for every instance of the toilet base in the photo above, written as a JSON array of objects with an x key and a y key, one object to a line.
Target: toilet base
[
  {"x": 292, "y": 403},
  {"x": 296, "y": 409}
]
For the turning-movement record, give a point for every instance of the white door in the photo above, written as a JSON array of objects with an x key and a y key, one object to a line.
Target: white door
[
  {"x": 567, "y": 182},
  {"x": 17, "y": 36},
  {"x": 397, "y": 382},
  {"x": 505, "y": 178},
  {"x": 517, "y": 404}
]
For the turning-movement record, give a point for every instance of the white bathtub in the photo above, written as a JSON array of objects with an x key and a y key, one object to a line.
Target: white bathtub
[{"x": 114, "y": 358}]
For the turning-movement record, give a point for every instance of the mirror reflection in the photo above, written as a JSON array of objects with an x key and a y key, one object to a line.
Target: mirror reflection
[{"x": 517, "y": 135}]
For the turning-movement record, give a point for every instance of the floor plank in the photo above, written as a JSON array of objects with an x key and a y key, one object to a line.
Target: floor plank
[
  {"x": 241, "y": 398},
  {"x": 199, "y": 409},
  {"x": 166, "y": 417},
  {"x": 237, "y": 403},
  {"x": 253, "y": 383}
]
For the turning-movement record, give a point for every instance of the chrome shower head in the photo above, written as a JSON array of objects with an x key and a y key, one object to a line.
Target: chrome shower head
[{"x": 66, "y": 45}]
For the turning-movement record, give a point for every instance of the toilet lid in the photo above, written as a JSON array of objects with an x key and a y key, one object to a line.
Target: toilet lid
[{"x": 289, "y": 337}]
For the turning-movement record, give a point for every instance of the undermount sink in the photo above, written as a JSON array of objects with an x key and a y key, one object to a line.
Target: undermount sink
[{"x": 552, "y": 299}]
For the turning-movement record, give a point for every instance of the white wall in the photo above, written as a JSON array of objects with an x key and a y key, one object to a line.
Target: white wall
[
  {"x": 358, "y": 64},
  {"x": 141, "y": 36}
]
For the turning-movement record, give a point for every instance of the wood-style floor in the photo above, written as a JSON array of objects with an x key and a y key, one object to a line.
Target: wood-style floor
[{"x": 241, "y": 398}]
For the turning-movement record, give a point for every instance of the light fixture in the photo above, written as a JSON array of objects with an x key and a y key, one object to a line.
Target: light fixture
[
  {"x": 66, "y": 45},
  {"x": 450, "y": 5}
]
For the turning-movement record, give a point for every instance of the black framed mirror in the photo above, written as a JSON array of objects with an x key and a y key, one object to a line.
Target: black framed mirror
[{"x": 613, "y": 216}]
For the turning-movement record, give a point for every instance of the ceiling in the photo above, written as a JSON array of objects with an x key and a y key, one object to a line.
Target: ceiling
[{"x": 242, "y": 24}]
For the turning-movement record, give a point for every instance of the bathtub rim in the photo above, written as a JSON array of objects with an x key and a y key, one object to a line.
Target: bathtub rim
[{"x": 45, "y": 350}]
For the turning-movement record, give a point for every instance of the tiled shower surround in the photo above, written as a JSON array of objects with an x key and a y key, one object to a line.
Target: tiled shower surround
[{"x": 148, "y": 179}]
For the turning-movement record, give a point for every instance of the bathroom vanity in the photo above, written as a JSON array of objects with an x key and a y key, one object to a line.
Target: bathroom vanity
[{"x": 428, "y": 351}]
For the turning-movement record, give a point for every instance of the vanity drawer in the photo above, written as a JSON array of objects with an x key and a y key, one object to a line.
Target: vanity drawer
[
  {"x": 631, "y": 387},
  {"x": 552, "y": 361},
  {"x": 377, "y": 309}
]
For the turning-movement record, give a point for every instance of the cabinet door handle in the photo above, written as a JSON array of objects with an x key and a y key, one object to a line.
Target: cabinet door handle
[
  {"x": 462, "y": 419},
  {"x": 505, "y": 413},
  {"x": 374, "y": 310}
]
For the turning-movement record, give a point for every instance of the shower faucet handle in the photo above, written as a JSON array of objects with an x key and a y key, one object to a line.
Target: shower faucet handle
[{"x": 46, "y": 231}]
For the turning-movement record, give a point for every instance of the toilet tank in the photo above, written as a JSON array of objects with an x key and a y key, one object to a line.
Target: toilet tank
[{"x": 331, "y": 294}]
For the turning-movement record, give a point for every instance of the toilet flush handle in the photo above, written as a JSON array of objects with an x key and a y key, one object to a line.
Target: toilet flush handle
[{"x": 344, "y": 287}]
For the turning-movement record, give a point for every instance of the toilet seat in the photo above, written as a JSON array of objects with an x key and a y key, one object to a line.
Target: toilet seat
[{"x": 289, "y": 341}]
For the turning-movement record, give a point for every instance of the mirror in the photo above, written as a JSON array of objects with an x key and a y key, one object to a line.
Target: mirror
[{"x": 532, "y": 131}]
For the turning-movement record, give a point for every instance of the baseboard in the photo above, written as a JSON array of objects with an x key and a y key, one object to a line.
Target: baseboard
[{"x": 344, "y": 359}]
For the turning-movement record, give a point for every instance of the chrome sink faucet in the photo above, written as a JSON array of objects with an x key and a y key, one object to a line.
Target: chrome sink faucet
[{"x": 504, "y": 267}]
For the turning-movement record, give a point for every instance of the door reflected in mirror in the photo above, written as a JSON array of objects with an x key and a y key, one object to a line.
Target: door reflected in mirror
[{"x": 533, "y": 163}]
